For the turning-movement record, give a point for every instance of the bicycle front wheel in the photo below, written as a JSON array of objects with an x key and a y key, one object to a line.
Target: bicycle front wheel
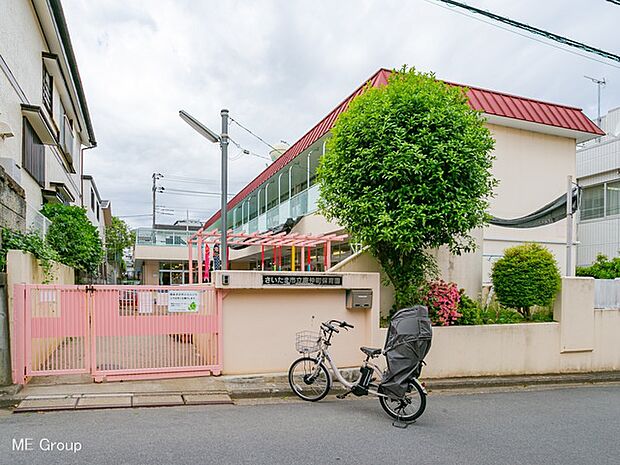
[
  {"x": 309, "y": 379},
  {"x": 410, "y": 407}
]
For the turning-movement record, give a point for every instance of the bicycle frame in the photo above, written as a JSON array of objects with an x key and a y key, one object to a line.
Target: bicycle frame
[{"x": 325, "y": 355}]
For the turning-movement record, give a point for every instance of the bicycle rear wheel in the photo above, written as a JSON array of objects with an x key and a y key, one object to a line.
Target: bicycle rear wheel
[
  {"x": 309, "y": 379},
  {"x": 410, "y": 407}
]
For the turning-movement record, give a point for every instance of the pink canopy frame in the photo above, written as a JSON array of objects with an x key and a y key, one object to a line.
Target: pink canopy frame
[{"x": 263, "y": 239}]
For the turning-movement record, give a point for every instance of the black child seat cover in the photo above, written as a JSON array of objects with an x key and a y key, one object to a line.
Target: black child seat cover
[{"x": 407, "y": 343}]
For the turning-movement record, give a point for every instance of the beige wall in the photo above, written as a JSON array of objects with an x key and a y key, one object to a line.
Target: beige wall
[
  {"x": 160, "y": 252},
  {"x": 361, "y": 262},
  {"x": 260, "y": 322},
  {"x": 532, "y": 170},
  {"x": 23, "y": 268},
  {"x": 150, "y": 273},
  {"x": 260, "y": 325}
]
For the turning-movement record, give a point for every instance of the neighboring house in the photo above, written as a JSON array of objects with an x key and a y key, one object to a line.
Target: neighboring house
[
  {"x": 535, "y": 152},
  {"x": 598, "y": 173},
  {"x": 44, "y": 118},
  {"x": 93, "y": 205},
  {"x": 160, "y": 255}
]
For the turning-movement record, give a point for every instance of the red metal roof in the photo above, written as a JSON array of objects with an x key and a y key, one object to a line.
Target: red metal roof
[{"x": 487, "y": 101}]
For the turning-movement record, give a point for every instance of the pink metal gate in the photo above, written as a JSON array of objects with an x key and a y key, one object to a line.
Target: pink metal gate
[{"x": 116, "y": 332}]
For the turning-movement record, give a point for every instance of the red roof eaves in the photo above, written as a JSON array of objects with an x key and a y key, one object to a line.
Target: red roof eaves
[{"x": 485, "y": 100}]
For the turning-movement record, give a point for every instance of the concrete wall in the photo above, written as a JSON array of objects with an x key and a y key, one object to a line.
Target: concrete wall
[
  {"x": 260, "y": 323},
  {"x": 12, "y": 203},
  {"x": 364, "y": 262},
  {"x": 23, "y": 268}
]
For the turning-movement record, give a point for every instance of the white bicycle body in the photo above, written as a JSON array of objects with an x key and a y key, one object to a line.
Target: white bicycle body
[{"x": 311, "y": 380}]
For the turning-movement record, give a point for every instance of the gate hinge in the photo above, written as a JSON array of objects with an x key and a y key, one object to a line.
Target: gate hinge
[{"x": 90, "y": 288}]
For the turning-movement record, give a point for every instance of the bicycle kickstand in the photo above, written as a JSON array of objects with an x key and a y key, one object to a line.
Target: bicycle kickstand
[
  {"x": 398, "y": 423},
  {"x": 343, "y": 395}
]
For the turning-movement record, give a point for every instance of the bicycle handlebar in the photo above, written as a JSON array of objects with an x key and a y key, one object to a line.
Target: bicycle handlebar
[{"x": 343, "y": 324}]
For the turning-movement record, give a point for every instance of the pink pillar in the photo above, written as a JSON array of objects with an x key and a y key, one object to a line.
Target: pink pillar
[
  {"x": 200, "y": 271},
  {"x": 328, "y": 255},
  {"x": 191, "y": 262}
]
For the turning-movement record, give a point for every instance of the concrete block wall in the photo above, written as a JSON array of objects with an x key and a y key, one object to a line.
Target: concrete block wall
[{"x": 12, "y": 203}]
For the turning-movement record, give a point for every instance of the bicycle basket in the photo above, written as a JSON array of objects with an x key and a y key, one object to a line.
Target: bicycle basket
[{"x": 307, "y": 342}]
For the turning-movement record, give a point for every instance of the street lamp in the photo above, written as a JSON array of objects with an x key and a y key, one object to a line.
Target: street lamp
[{"x": 223, "y": 140}]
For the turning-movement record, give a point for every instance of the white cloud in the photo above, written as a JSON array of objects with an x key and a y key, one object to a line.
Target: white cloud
[{"x": 280, "y": 66}]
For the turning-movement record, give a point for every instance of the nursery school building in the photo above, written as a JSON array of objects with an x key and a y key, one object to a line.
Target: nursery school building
[{"x": 535, "y": 151}]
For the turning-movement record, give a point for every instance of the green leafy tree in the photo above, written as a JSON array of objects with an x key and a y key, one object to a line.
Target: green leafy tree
[
  {"x": 118, "y": 237},
  {"x": 408, "y": 170},
  {"x": 527, "y": 275},
  {"x": 73, "y": 236}
]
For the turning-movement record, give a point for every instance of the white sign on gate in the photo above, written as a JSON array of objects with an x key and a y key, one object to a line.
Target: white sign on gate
[
  {"x": 183, "y": 301},
  {"x": 145, "y": 302}
]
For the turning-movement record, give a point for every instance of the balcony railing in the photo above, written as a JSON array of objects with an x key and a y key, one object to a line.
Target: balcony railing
[
  {"x": 301, "y": 204},
  {"x": 162, "y": 237}
]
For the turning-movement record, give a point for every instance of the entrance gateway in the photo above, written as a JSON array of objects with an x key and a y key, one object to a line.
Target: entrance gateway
[{"x": 116, "y": 332}]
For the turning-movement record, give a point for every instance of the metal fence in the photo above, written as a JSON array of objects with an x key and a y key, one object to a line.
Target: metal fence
[
  {"x": 115, "y": 332},
  {"x": 607, "y": 293}
]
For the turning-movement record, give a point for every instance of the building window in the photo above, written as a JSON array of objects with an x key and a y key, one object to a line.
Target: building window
[
  {"x": 593, "y": 202},
  {"x": 176, "y": 273},
  {"x": 92, "y": 199},
  {"x": 48, "y": 86},
  {"x": 613, "y": 198},
  {"x": 33, "y": 154},
  {"x": 98, "y": 212}
]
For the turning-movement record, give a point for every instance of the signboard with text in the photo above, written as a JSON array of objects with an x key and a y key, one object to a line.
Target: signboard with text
[
  {"x": 301, "y": 280},
  {"x": 183, "y": 301}
]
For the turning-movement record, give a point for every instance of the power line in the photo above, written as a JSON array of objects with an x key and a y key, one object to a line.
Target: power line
[
  {"x": 616, "y": 2},
  {"x": 532, "y": 30},
  {"x": 171, "y": 189},
  {"x": 246, "y": 151},
  {"x": 247, "y": 130}
]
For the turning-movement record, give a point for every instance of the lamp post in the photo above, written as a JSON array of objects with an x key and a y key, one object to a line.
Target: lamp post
[{"x": 223, "y": 141}]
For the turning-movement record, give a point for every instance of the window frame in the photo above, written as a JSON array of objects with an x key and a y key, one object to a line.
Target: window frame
[{"x": 47, "y": 91}]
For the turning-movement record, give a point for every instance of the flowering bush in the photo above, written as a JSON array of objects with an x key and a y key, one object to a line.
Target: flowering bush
[{"x": 443, "y": 300}]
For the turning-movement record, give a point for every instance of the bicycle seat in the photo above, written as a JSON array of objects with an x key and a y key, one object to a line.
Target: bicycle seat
[{"x": 370, "y": 351}]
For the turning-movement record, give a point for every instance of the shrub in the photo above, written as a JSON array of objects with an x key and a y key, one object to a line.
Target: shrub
[
  {"x": 602, "y": 268},
  {"x": 442, "y": 300},
  {"x": 28, "y": 242},
  {"x": 527, "y": 275},
  {"x": 471, "y": 311}
]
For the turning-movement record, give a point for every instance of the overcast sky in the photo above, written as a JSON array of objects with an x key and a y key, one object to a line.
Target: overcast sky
[{"x": 281, "y": 66}]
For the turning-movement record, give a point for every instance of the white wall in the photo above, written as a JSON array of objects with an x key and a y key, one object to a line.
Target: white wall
[
  {"x": 532, "y": 170},
  {"x": 21, "y": 46}
]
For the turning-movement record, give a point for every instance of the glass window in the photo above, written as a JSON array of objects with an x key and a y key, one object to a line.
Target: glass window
[
  {"x": 613, "y": 198},
  {"x": 592, "y": 202}
]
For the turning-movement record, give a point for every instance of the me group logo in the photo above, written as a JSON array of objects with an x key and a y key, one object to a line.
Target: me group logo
[{"x": 45, "y": 445}]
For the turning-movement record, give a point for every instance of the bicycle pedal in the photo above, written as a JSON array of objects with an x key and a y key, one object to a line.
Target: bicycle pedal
[{"x": 343, "y": 395}]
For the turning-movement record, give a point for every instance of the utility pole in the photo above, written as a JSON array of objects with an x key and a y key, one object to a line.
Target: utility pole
[
  {"x": 223, "y": 141},
  {"x": 599, "y": 83},
  {"x": 569, "y": 226},
  {"x": 156, "y": 176},
  {"x": 224, "y": 197}
]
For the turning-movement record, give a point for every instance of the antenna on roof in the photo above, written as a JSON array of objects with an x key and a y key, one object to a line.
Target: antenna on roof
[{"x": 600, "y": 83}]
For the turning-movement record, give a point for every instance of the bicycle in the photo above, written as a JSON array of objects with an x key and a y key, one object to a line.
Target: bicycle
[{"x": 310, "y": 379}]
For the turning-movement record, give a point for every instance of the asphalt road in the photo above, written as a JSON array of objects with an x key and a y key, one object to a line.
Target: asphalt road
[{"x": 557, "y": 426}]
